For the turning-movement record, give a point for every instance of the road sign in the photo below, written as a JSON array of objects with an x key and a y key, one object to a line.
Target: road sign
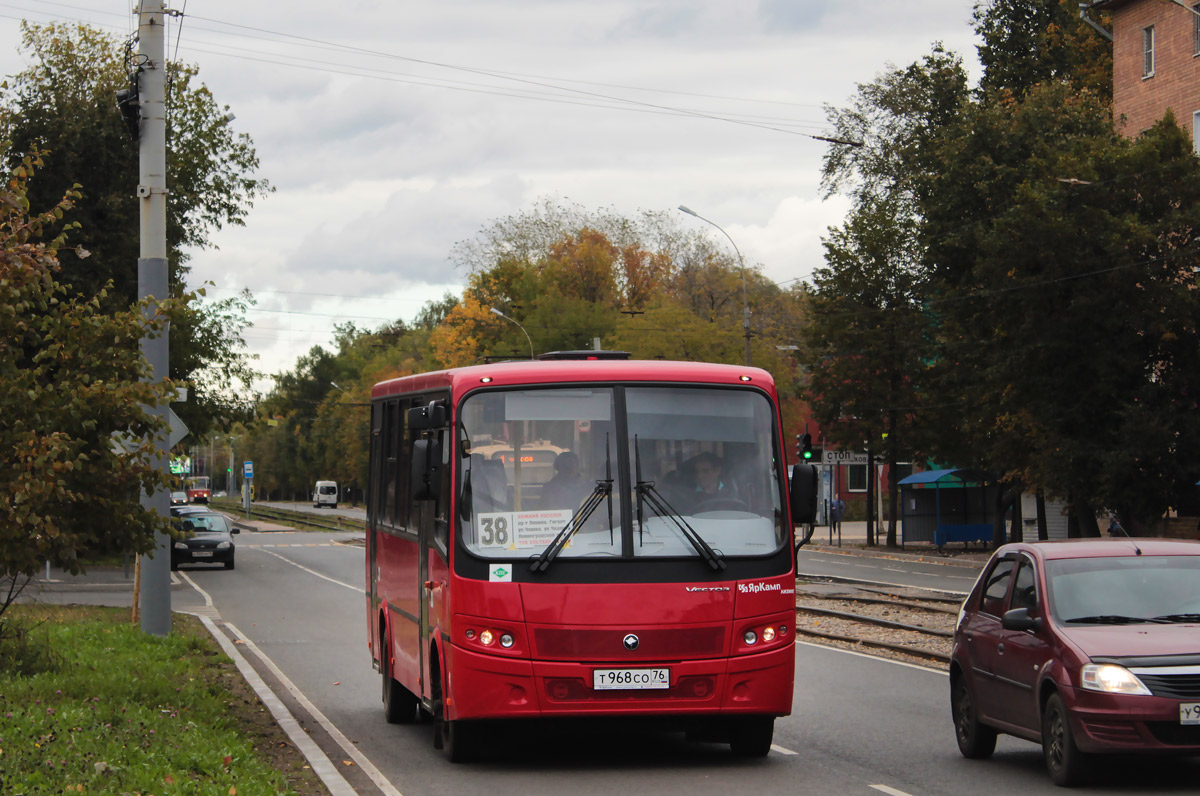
[
  {"x": 178, "y": 429},
  {"x": 247, "y": 469},
  {"x": 844, "y": 457}
]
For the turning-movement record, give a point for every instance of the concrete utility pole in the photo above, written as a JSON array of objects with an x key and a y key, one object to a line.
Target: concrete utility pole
[{"x": 154, "y": 599}]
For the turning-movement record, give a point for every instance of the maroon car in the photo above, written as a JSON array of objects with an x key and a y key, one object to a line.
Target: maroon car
[{"x": 1085, "y": 646}]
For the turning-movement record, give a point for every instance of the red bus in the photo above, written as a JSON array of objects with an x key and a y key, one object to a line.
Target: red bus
[
  {"x": 583, "y": 536},
  {"x": 198, "y": 490}
]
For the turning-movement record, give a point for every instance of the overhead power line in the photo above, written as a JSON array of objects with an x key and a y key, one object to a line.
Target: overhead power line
[{"x": 560, "y": 91}]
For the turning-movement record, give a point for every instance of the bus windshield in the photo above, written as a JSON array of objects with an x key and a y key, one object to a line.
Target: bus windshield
[{"x": 687, "y": 468}]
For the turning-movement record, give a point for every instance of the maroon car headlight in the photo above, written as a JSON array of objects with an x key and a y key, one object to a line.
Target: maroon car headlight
[{"x": 1109, "y": 678}]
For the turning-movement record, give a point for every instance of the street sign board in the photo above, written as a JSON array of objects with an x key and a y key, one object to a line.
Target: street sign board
[
  {"x": 844, "y": 457},
  {"x": 247, "y": 469},
  {"x": 178, "y": 429}
]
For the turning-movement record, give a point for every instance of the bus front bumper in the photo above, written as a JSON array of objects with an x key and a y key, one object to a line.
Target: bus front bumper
[{"x": 494, "y": 687}]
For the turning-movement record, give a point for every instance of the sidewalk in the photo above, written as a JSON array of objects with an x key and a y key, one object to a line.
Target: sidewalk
[{"x": 853, "y": 541}]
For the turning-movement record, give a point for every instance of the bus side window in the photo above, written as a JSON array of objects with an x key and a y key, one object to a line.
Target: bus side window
[
  {"x": 391, "y": 432},
  {"x": 403, "y": 457}
]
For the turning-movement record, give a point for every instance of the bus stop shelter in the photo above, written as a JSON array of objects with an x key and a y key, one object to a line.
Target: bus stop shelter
[{"x": 942, "y": 506}]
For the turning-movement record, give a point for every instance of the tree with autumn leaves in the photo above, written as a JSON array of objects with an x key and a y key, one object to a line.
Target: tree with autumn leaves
[
  {"x": 569, "y": 276},
  {"x": 75, "y": 434},
  {"x": 641, "y": 285}
]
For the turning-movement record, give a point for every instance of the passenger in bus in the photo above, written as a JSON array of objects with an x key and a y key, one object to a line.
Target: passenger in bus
[{"x": 567, "y": 488}]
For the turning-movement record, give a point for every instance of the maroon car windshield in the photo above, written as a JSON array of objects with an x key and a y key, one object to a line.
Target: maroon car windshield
[{"x": 1124, "y": 589}]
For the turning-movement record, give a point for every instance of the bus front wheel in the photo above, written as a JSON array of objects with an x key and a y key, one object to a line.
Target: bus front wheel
[
  {"x": 457, "y": 738},
  {"x": 751, "y": 736}
]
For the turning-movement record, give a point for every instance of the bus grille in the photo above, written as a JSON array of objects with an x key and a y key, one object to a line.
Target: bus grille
[{"x": 657, "y": 644}]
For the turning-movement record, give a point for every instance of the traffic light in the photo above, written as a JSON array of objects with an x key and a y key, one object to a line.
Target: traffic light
[
  {"x": 129, "y": 104},
  {"x": 806, "y": 451}
]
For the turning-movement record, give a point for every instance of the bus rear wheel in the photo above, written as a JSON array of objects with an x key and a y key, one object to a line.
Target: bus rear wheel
[
  {"x": 752, "y": 736},
  {"x": 399, "y": 705}
]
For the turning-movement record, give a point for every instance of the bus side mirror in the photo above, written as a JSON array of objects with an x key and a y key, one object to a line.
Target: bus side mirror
[
  {"x": 802, "y": 494},
  {"x": 424, "y": 418},
  {"x": 423, "y": 475}
]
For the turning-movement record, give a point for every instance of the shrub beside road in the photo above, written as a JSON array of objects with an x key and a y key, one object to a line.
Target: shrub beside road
[{"x": 90, "y": 704}]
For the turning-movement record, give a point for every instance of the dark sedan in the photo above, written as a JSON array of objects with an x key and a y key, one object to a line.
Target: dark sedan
[
  {"x": 1085, "y": 646},
  {"x": 204, "y": 538}
]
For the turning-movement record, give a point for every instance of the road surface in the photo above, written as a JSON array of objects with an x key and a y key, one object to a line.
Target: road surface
[{"x": 861, "y": 725}]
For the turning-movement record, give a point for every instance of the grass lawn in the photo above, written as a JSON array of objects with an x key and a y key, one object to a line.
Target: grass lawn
[{"x": 111, "y": 710}]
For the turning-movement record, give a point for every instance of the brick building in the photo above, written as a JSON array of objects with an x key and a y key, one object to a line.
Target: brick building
[{"x": 1156, "y": 62}]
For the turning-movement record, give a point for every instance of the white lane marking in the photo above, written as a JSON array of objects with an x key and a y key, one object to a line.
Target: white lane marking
[
  {"x": 358, "y": 757},
  {"x": 321, "y": 764},
  {"x": 310, "y": 571},
  {"x": 875, "y": 658},
  {"x": 782, "y": 750},
  {"x": 208, "y": 603},
  {"x": 889, "y": 791}
]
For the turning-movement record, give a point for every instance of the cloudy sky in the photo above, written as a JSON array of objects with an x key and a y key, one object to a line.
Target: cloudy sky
[{"x": 393, "y": 129}]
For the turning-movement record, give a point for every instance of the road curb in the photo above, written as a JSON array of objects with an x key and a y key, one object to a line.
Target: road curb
[
  {"x": 321, "y": 764},
  {"x": 807, "y": 578},
  {"x": 900, "y": 555}
]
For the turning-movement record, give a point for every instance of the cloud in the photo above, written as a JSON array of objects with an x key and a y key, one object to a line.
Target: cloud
[{"x": 384, "y": 155}]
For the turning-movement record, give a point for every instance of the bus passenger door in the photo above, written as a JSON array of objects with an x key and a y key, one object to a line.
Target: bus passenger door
[{"x": 430, "y": 520}]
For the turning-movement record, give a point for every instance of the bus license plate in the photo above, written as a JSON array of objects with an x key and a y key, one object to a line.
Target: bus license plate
[
  {"x": 630, "y": 679},
  {"x": 202, "y": 554},
  {"x": 1189, "y": 712}
]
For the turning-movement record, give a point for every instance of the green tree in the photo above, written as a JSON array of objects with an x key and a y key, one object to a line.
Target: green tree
[
  {"x": 866, "y": 325},
  {"x": 866, "y": 334},
  {"x": 887, "y": 130},
  {"x": 1063, "y": 258},
  {"x": 75, "y": 437},
  {"x": 65, "y": 103},
  {"x": 1027, "y": 42}
]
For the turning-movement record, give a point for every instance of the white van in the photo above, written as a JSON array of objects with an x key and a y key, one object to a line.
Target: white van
[{"x": 325, "y": 494}]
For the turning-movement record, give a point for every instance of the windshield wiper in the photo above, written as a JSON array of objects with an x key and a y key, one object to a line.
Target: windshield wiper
[
  {"x": 1178, "y": 618},
  {"x": 1114, "y": 619},
  {"x": 603, "y": 489},
  {"x": 646, "y": 493}
]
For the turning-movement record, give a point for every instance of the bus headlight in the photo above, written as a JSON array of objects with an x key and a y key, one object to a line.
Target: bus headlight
[
  {"x": 486, "y": 638},
  {"x": 750, "y": 637},
  {"x": 506, "y": 640}
]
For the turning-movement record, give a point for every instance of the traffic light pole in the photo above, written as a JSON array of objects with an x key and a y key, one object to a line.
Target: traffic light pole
[{"x": 154, "y": 598}]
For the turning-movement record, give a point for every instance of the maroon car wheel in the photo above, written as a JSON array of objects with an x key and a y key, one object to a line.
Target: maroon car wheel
[
  {"x": 975, "y": 740},
  {"x": 1064, "y": 761}
]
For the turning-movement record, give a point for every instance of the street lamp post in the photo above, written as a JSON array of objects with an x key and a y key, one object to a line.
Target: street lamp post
[
  {"x": 742, "y": 266},
  {"x": 519, "y": 326}
]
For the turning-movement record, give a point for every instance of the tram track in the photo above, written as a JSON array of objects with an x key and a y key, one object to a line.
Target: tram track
[
  {"x": 299, "y": 520},
  {"x": 909, "y": 624}
]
